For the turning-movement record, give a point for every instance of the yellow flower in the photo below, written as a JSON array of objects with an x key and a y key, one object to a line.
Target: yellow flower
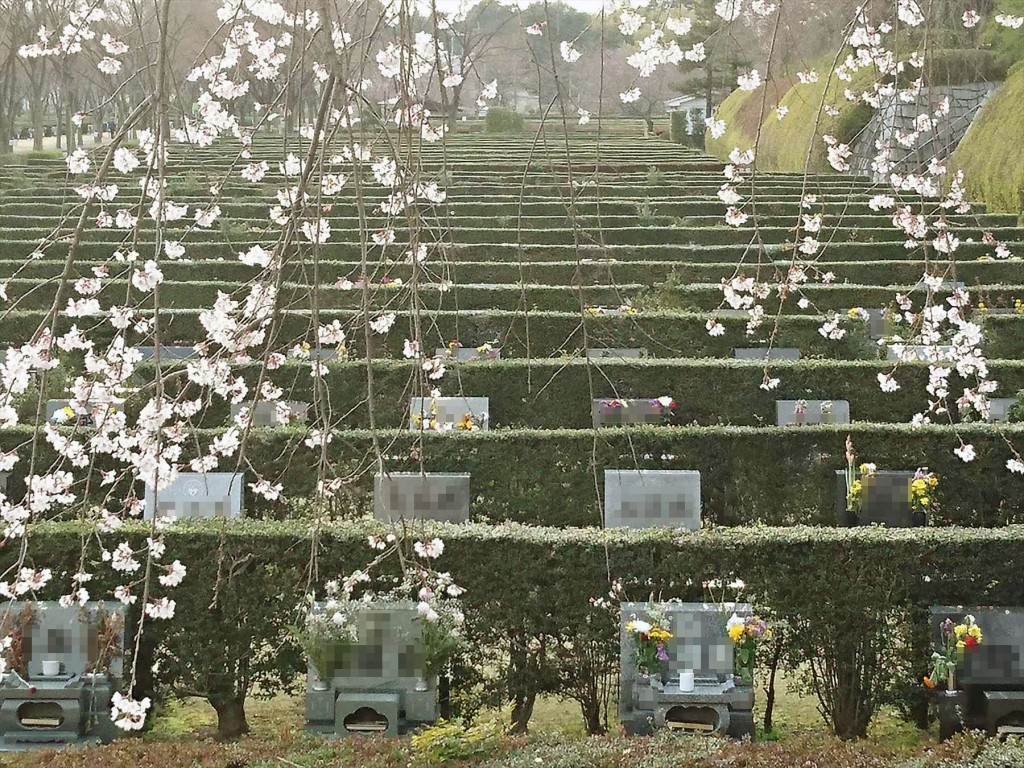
[
  {"x": 960, "y": 645},
  {"x": 856, "y": 486},
  {"x": 975, "y": 632},
  {"x": 735, "y": 632},
  {"x": 933, "y": 481},
  {"x": 960, "y": 630},
  {"x": 658, "y": 634},
  {"x": 918, "y": 485},
  {"x": 925, "y": 501}
]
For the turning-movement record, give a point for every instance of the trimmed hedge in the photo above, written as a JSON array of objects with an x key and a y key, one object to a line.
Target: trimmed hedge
[
  {"x": 548, "y": 333},
  {"x": 773, "y": 475},
  {"x": 503, "y": 120},
  {"x": 533, "y": 586},
  {"x": 556, "y": 394}
]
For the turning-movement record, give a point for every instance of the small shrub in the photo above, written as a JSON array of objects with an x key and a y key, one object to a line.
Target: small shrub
[
  {"x": 646, "y": 212},
  {"x": 503, "y": 120},
  {"x": 655, "y": 176},
  {"x": 452, "y": 740}
]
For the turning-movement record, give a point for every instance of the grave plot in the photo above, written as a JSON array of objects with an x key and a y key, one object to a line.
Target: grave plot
[
  {"x": 373, "y": 683},
  {"x": 803, "y": 412},
  {"x": 694, "y": 687},
  {"x": 64, "y": 667},
  {"x": 446, "y": 414},
  {"x": 983, "y": 689}
]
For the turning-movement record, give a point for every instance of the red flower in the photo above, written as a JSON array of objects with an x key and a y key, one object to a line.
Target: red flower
[{"x": 970, "y": 642}]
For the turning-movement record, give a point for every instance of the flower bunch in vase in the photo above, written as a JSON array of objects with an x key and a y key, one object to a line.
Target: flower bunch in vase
[
  {"x": 649, "y": 638},
  {"x": 855, "y": 480},
  {"x": 923, "y": 489},
  {"x": 667, "y": 406},
  {"x": 327, "y": 632},
  {"x": 957, "y": 640},
  {"x": 442, "y": 619},
  {"x": 745, "y": 633}
]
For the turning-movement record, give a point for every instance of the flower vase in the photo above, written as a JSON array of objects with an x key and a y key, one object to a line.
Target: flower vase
[
  {"x": 422, "y": 684},
  {"x": 663, "y": 671},
  {"x": 951, "y": 678},
  {"x": 743, "y": 664}
]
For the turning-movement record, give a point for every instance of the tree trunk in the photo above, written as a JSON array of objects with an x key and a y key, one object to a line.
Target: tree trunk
[
  {"x": 36, "y": 108},
  {"x": 769, "y": 701},
  {"x": 231, "y": 722},
  {"x": 592, "y": 717},
  {"x": 522, "y": 711}
]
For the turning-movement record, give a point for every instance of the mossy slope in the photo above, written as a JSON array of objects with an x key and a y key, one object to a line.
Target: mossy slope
[{"x": 991, "y": 155}]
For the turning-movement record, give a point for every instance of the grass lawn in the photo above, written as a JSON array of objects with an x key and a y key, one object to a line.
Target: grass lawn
[{"x": 183, "y": 735}]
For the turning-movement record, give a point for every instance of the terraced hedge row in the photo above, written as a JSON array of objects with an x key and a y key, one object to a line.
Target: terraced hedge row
[
  {"x": 533, "y": 334},
  {"x": 529, "y": 594},
  {"x": 773, "y": 475}
]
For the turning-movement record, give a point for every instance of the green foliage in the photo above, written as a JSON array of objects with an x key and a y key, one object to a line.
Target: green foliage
[
  {"x": 785, "y": 145},
  {"x": 503, "y": 120},
  {"x": 958, "y": 66},
  {"x": 991, "y": 155},
  {"x": 677, "y": 130},
  {"x": 454, "y": 740},
  {"x": 1007, "y": 44},
  {"x": 646, "y": 213},
  {"x": 655, "y": 176}
]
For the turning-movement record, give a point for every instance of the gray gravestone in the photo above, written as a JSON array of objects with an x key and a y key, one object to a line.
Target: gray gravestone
[
  {"x": 764, "y": 353},
  {"x": 880, "y": 324},
  {"x": 449, "y": 411},
  {"x": 699, "y": 644},
  {"x": 999, "y": 408},
  {"x": 786, "y": 415},
  {"x": 733, "y": 313},
  {"x": 615, "y": 353},
  {"x": 169, "y": 352},
  {"x": 609, "y": 412},
  {"x": 885, "y": 500},
  {"x": 73, "y": 706},
  {"x": 650, "y": 498},
  {"x": 920, "y": 352},
  {"x": 265, "y": 413},
  {"x": 947, "y": 285},
  {"x": 198, "y": 495},
  {"x": 468, "y": 354},
  {"x": 373, "y": 686},
  {"x": 412, "y": 496}
]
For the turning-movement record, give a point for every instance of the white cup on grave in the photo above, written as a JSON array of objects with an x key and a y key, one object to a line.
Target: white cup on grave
[
  {"x": 51, "y": 668},
  {"x": 686, "y": 681}
]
